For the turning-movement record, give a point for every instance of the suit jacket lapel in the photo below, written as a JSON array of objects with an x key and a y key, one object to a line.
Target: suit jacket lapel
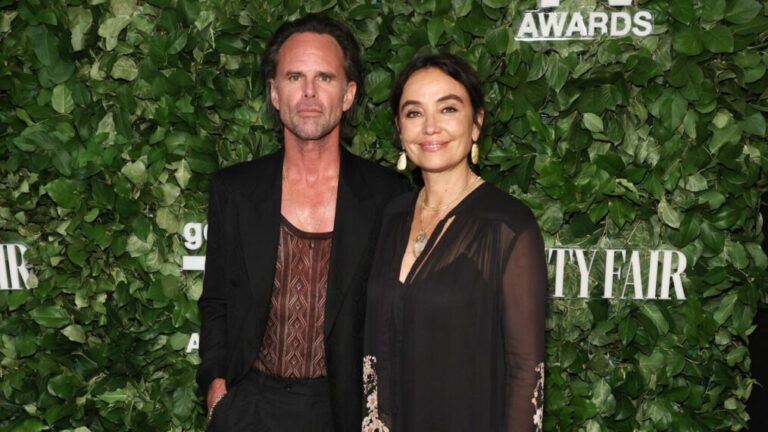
[
  {"x": 260, "y": 228},
  {"x": 355, "y": 213}
]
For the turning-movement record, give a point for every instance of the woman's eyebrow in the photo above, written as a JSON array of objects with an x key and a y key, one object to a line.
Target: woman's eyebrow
[
  {"x": 409, "y": 102},
  {"x": 441, "y": 99},
  {"x": 451, "y": 97}
]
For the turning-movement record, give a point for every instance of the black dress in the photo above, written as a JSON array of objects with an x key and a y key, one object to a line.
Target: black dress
[{"x": 460, "y": 345}]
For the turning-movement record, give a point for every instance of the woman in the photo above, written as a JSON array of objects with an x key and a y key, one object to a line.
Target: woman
[{"x": 456, "y": 297}]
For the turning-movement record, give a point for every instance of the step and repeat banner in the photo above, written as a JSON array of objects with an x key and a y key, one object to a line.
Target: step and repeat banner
[{"x": 635, "y": 130}]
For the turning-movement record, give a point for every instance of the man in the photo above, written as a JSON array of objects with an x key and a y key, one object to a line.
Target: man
[{"x": 291, "y": 239}]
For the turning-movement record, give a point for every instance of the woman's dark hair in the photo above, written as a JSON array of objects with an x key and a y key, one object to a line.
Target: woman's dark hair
[
  {"x": 450, "y": 64},
  {"x": 320, "y": 24}
]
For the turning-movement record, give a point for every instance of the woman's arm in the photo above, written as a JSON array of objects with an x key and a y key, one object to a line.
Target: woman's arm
[{"x": 524, "y": 293}]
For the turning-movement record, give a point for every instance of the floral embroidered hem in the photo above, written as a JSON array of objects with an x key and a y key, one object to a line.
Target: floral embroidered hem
[
  {"x": 371, "y": 422},
  {"x": 538, "y": 398}
]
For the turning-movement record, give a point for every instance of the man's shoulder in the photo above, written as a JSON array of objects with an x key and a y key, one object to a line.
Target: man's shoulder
[
  {"x": 244, "y": 174},
  {"x": 373, "y": 169},
  {"x": 376, "y": 174}
]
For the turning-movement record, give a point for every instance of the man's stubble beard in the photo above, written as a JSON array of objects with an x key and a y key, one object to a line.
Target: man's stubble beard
[{"x": 310, "y": 130}]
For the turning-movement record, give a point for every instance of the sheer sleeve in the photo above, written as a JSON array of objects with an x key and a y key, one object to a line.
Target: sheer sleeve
[{"x": 524, "y": 302}]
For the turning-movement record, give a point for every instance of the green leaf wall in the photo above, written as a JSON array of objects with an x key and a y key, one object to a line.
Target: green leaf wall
[{"x": 114, "y": 113}]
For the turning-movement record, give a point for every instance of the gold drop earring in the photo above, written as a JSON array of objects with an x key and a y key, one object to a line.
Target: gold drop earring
[
  {"x": 402, "y": 161},
  {"x": 474, "y": 154}
]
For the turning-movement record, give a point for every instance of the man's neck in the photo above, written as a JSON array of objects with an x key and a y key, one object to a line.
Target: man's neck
[{"x": 312, "y": 160}]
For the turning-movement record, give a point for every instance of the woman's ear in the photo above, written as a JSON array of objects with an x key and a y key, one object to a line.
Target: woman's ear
[{"x": 478, "y": 125}]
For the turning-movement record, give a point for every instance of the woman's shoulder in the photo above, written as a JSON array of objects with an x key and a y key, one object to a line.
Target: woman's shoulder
[{"x": 494, "y": 204}]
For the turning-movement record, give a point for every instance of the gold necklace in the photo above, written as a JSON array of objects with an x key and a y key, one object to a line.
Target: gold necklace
[
  {"x": 450, "y": 203},
  {"x": 421, "y": 238}
]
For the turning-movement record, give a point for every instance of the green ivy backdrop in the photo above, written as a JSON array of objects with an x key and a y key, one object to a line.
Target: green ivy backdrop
[{"x": 114, "y": 113}]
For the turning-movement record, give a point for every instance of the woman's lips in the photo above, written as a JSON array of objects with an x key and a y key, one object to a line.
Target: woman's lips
[{"x": 432, "y": 146}]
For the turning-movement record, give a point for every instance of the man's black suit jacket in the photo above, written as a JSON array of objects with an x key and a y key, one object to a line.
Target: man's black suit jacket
[{"x": 243, "y": 227}]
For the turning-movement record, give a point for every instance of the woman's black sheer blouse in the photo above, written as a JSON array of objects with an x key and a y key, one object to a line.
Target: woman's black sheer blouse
[{"x": 459, "y": 346}]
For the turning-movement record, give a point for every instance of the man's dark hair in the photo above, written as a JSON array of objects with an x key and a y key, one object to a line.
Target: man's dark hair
[
  {"x": 320, "y": 24},
  {"x": 450, "y": 64}
]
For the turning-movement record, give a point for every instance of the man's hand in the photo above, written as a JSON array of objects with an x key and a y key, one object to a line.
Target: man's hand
[{"x": 216, "y": 391}]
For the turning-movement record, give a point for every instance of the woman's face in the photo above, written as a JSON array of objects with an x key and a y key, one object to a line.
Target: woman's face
[{"x": 435, "y": 121}]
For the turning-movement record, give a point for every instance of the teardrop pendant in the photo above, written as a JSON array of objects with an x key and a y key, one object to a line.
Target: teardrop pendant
[{"x": 419, "y": 243}]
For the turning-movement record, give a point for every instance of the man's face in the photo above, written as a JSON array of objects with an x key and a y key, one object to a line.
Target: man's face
[{"x": 310, "y": 88}]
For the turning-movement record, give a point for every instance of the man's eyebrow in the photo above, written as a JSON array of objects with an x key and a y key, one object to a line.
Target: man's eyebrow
[{"x": 322, "y": 73}]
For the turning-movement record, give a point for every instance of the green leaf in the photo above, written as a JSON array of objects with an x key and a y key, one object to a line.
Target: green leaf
[
  {"x": 603, "y": 397},
  {"x": 754, "y": 124},
  {"x": 718, "y": 39},
  {"x": 80, "y": 20},
  {"x": 496, "y": 41},
  {"x": 627, "y": 330},
  {"x": 621, "y": 211},
  {"x": 123, "y": 7},
  {"x": 712, "y": 238},
  {"x": 74, "y": 332},
  {"x": 125, "y": 68},
  {"x": 653, "y": 363},
  {"x": 61, "y": 99},
  {"x": 136, "y": 172},
  {"x": 557, "y": 74},
  {"x": 377, "y": 84},
  {"x": 496, "y": 3},
  {"x": 29, "y": 425},
  {"x": 712, "y": 10},
  {"x": 729, "y": 134},
  {"x": 111, "y": 28},
  {"x": 137, "y": 247},
  {"x": 675, "y": 363},
  {"x": 50, "y": 316},
  {"x": 435, "y": 29},
  {"x": 183, "y": 174},
  {"x": 725, "y": 308},
  {"x": 757, "y": 254},
  {"x": 722, "y": 119},
  {"x": 113, "y": 396},
  {"x": 552, "y": 218},
  {"x": 687, "y": 41},
  {"x": 167, "y": 221},
  {"x": 461, "y": 7},
  {"x": 45, "y": 44},
  {"x": 169, "y": 194},
  {"x": 64, "y": 192},
  {"x": 593, "y": 122},
  {"x": 652, "y": 311},
  {"x": 669, "y": 215},
  {"x": 736, "y": 355},
  {"x": 712, "y": 198},
  {"x": 737, "y": 254},
  {"x": 682, "y": 10},
  {"x": 695, "y": 183},
  {"x": 742, "y": 11}
]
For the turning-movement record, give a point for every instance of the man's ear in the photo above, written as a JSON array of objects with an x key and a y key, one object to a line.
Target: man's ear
[
  {"x": 349, "y": 95},
  {"x": 273, "y": 94}
]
